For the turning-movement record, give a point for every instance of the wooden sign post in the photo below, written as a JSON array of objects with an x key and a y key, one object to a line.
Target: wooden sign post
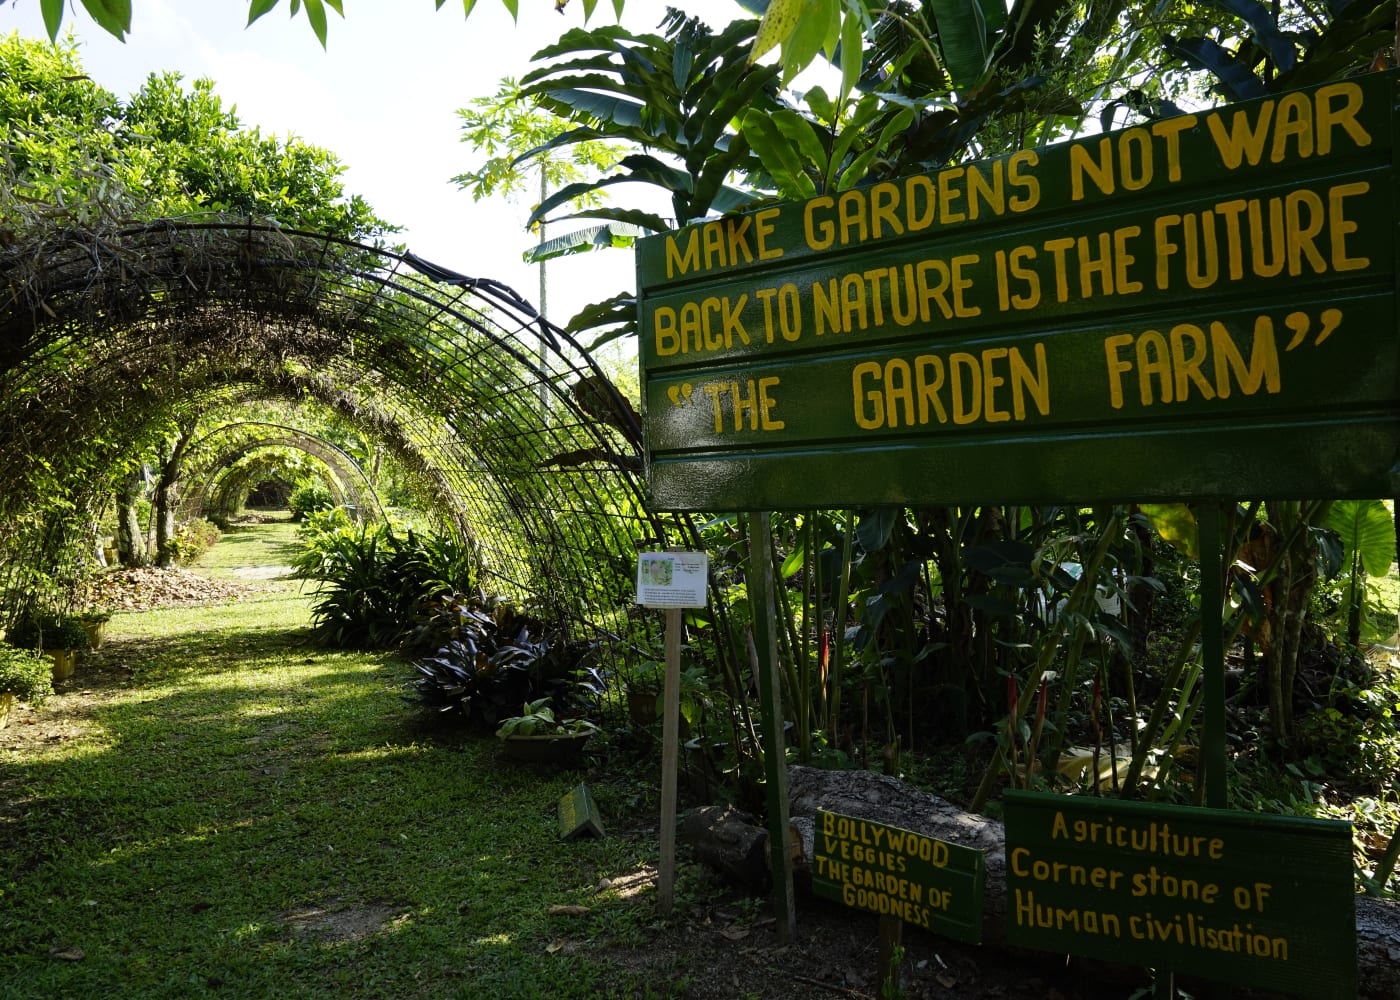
[{"x": 671, "y": 580}]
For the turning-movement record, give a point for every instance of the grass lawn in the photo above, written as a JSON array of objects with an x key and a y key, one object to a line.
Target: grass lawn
[{"x": 213, "y": 808}]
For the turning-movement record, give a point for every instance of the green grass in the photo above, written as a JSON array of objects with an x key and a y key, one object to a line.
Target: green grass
[{"x": 247, "y": 816}]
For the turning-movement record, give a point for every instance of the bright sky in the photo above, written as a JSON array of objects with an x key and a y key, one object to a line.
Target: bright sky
[{"x": 383, "y": 98}]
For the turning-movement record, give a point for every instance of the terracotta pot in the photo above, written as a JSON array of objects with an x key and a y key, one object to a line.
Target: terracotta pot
[{"x": 641, "y": 707}]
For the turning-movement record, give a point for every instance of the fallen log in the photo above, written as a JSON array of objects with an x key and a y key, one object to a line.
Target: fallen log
[
  {"x": 730, "y": 843},
  {"x": 878, "y": 797}
]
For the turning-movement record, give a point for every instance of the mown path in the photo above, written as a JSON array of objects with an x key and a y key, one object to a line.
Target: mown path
[{"x": 213, "y": 808}]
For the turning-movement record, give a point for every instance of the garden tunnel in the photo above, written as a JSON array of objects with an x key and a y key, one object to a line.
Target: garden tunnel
[
  {"x": 218, "y": 478},
  {"x": 110, "y": 336}
]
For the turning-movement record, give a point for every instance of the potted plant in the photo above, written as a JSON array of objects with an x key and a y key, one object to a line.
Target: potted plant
[
  {"x": 60, "y": 637},
  {"x": 25, "y": 675},
  {"x": 536, "y": 735},
  {"x": 642, "y": 686},
  {"x": 94, "y": 622}
]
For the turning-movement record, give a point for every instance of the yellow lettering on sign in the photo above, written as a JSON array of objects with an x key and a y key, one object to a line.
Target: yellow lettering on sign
[
  {"x": 997, "y": 385},
  {"x": 1171, "y": 368},
  {"x": 1300, "y": 125},
  {"x": 750, "y": 403}
]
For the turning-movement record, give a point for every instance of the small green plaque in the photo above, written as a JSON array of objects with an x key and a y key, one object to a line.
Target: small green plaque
[
  {"x": 578, "y": 814},
  {"x": 1259, "y": 901},
  {"x": 896, "y": 873}
]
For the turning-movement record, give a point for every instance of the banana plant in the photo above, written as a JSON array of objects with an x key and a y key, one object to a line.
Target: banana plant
[{"x": 674, "y": 97}]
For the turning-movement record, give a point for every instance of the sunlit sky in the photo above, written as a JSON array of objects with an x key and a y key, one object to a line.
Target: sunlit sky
[{"x": 383, "y": 97}]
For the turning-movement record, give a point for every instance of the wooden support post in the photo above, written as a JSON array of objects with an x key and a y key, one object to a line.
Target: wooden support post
[
  {"x": 670, "y": 739},
  {"x": 1213, "y": 666},
  {"x": 1213, "y": 654},
  {"x": 891, "y": 936},
  {"x": 761, "y": 601}
]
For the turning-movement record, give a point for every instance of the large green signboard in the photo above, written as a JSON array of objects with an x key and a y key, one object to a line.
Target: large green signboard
[
  {"x": 1260, "y": 901},
  {"x": 898, "y": 873},
  {"x": 1198, "y": 307}
]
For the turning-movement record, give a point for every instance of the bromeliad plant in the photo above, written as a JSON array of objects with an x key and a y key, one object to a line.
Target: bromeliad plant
[{"x": 491, "y": 658}]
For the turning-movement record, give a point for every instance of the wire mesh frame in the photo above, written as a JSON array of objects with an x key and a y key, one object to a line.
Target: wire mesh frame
[
  {"x": 448, "y": 366},
  {"x": 209, "y": 458}
]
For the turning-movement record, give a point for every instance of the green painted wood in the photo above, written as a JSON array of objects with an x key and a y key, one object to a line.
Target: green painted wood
[
  {"x": 578, "y": 814},
  {"x": 759, "y": 583},
  {"x": 1213, "y": 656},
  {"x": 1258, "y": 901},
  {"x": 900, "y": 874},
  {"x": 1218, "y": 286}
]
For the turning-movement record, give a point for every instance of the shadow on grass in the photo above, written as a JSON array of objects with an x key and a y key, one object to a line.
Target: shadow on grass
[{"x": 254, "y": 816}]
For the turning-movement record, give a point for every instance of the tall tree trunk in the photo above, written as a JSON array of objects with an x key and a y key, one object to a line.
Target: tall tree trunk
[
  {"x": 165, "y": 496},
  {"x": 131, "y": 539}
]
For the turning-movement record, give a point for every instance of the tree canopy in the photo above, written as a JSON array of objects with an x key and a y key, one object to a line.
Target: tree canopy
[{"x": 73, "y": 146}]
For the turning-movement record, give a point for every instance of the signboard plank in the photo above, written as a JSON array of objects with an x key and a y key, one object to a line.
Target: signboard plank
[
  {"x": 1055, "y": 325},
  {"x": 897, "y": 873},
  {"x": 1259, "y": 901}
]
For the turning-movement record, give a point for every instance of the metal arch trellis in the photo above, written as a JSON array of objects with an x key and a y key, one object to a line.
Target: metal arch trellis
[
  {"x": 105, "y": 333},
  {"x": 209, "y": 457}
]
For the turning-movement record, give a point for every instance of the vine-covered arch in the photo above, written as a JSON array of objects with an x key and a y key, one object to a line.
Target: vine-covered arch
[
  {"x": 213, "y": 481},
  {"x": 106, "y": 336}
]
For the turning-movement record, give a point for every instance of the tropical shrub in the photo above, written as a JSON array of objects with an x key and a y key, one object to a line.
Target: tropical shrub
[
  {"x": 375, "y": 582},
  {"x": 309, "y": 497},
  {"x": 193, "y": 539},
  {"x": 47, "y": 630},
  {"x": 492, "y": 658}
]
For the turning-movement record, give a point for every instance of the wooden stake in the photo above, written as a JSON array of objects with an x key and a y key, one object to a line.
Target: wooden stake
[
  {"x": 891, "y": 935},
  {"x": 670, "y": 739}
]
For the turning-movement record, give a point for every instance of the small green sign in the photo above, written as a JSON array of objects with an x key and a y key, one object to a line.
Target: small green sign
[
  {"x": 1259, "y": 901},
  {"x": 578, "y": 814},
  {"x": 896, "y": 873},
  {"x": 1150, "y": 314}
]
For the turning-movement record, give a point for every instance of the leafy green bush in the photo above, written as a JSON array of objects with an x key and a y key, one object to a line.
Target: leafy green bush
[
  {"x": 47, "y": 630},
  {"x": 26, "y": 674},
  {"x": 309, "y": 497},
  {"x": 375, "y": 583},
  {"x": 193, "y": 539}
]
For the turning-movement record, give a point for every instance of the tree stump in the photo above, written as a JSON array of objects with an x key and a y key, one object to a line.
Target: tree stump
[{"x": 731, "y": 843}]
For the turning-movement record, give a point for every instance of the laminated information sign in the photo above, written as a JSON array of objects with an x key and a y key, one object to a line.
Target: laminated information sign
[{"x": 672, "y": 579}]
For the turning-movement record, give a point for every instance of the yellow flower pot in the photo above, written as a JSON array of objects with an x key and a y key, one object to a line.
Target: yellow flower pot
[{"x": 64, "y": 662}]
